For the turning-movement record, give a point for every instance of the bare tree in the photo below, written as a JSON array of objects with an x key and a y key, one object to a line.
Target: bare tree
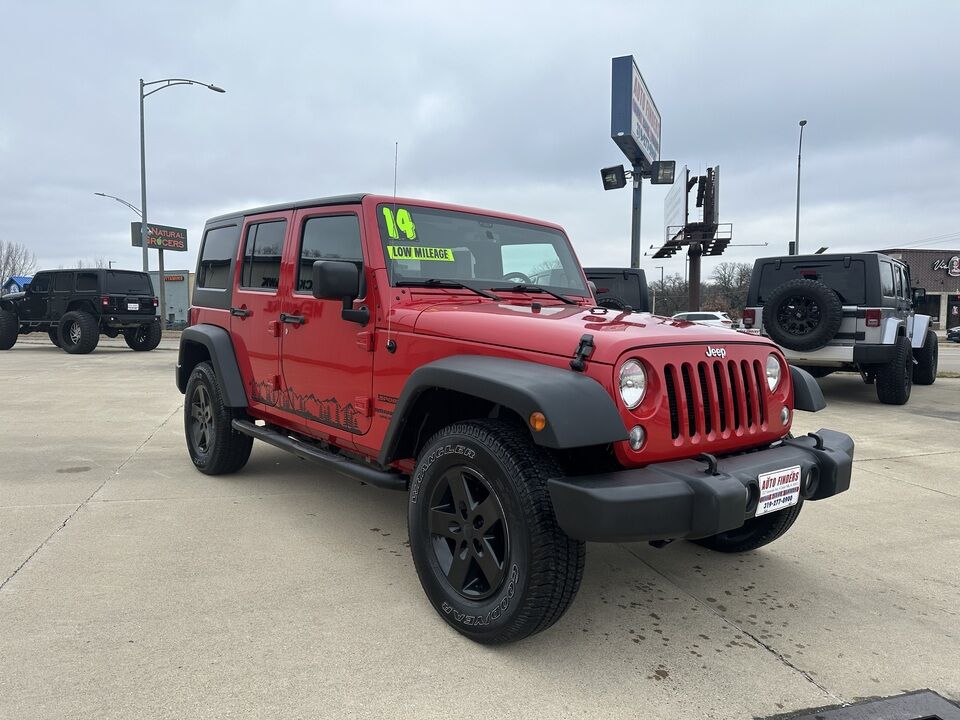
[
  {"x": 16, "y": 259},
  {"x": 728, "y": 292}
]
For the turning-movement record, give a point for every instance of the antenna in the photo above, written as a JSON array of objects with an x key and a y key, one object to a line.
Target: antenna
[{"x": 391, "y": 343}]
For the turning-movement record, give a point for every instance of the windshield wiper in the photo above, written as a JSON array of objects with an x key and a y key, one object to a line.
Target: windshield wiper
[
  {"x": 521, "y": 287},
  {"x": 445, "y": 283}
]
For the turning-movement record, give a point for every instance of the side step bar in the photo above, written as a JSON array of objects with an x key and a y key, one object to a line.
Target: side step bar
[{"x": 388, "y": 479}]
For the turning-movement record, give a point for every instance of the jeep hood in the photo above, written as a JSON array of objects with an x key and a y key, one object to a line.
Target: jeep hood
[{"x": 556, "y": 329}]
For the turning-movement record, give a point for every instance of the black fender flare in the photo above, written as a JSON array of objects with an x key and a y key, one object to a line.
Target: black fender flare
[
  {"x": 807, "y": 395},
  {"x": 578, "y": 410},
  {"x": 219, "y": 347}
]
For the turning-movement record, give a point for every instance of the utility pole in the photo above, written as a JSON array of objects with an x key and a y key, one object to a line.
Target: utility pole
[{"x": 796, "y": 238}]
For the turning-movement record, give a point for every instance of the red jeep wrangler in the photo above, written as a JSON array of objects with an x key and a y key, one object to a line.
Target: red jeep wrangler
[{"x": 459, "y": 355}]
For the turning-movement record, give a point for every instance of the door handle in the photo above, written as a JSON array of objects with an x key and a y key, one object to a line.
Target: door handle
[
  {"x": 293, "y": 319},
  {"x": 240, "y": 312}
]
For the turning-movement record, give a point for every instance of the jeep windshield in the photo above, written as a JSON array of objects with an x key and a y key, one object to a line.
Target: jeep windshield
[{"x": 428, "y": 245}]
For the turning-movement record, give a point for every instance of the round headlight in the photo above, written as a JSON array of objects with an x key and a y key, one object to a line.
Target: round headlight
[
  {"x": 773, "y": 372},
  {"x": 633, "y": 383}
]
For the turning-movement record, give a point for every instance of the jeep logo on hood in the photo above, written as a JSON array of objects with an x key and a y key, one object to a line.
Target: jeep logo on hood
[{"x": 716, "y": 352}]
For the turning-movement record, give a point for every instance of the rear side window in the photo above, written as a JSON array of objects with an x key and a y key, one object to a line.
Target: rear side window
[
  {"x": 86, "y": 282},
  {"x": 261, "y": 255},
  {"x": 128, "y": 283},
  {"x": 848, "y": 282},
  {"x": 887, "y": 283},
  {"x": 62, "y": 282},
  {"x": 336, "y": 237},
  {"x": 219, "y": 247}
]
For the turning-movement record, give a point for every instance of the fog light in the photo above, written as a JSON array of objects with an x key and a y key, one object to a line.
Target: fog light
[
  {"x": 785, "y": 416},
  {"x": 637, "y": 437}
]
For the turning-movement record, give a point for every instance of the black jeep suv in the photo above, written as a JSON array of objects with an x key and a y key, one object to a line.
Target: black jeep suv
[{"x": 74, "y": 306}]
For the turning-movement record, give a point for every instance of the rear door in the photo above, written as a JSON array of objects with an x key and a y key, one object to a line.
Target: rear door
[
  {"x": 255, "y": 308},
  {"x": 327, "y": 361},
  {"x": 61, "y": 295}
]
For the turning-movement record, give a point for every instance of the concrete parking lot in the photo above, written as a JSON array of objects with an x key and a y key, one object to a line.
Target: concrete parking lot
[{"x": 133, "y": 586}]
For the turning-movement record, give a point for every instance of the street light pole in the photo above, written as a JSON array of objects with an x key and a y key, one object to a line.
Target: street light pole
[
  {"x": 162, "y": 84},
  {"x": 796, "y": 239}
]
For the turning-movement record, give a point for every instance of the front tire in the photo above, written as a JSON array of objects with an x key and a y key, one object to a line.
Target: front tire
[
  {"x": 483, "y": 534},
  {"x": 895, "y": 379},
  {"x": 9, "y": 329},
  {"x": 79, "y": 332},
  {"x": 214, "y": 446},
  {"x": 54, "y": 336},
  {"x": 927, "y": 357},
  {"x": 144, "y": 338},
  {"x": 754, "y": 533}
]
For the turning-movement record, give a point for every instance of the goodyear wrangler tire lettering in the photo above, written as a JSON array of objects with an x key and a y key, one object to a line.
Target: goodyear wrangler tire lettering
[{"x": 484, "y": 539}]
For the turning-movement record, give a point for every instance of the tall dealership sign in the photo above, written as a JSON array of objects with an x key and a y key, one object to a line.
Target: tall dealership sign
[
  {"x": 635, "y": 128},
  {"x": 635, "y": 119}
]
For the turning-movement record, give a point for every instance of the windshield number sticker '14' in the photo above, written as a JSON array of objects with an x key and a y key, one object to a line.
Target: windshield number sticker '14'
[
  {"x": 402, "y": 223},
  {"x": 415, "y": 252}
]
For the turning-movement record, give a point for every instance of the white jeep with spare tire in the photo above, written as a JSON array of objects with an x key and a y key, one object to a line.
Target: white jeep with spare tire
[{"x": 845, "y": 312}]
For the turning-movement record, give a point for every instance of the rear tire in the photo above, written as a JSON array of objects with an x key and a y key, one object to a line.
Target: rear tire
[
  {"x": 144, "y": 338},
  {"x": 9, "y": 329},
  {"x": 927, "y": 357},
  {"x": 79, "y": 332},
  {"x": 895, "y": 379},
  {"x": 755, "y": 532},
  {"x": 214, "y": 446},
  {"x": 483, "y": 534}
]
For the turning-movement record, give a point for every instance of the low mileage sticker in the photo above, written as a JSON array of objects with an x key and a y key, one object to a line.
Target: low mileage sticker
[{"x": 778, "y": 490}]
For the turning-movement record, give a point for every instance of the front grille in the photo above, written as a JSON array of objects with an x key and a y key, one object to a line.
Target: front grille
[{"x": 716, "y": 398}]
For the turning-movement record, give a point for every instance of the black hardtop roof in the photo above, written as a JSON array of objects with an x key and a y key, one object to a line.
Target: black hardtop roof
[
  {"x": 828, "y": 257},
  {"x": 89, "y": 269},
  {"x": 315, "y": 202}
]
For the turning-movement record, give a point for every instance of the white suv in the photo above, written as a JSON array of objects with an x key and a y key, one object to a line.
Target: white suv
[{"x": 718, "y": 319}]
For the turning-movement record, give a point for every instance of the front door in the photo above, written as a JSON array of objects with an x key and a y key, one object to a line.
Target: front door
[
  {"x": 255, "y": 310},
  {"x": 35, "y": 303},
  {"x": 327, "y": 362}
]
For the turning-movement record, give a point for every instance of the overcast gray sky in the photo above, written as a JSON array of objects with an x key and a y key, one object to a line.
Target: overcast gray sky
[{"x": 497, "y": 105}]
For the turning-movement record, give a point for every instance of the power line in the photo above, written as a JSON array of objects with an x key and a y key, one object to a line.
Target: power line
[{"x": 933, "y": 240}]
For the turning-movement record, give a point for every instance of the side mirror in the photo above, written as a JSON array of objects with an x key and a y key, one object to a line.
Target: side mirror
[
  {"x": 339, "y": 280},
  {"x": 918, "y": 294}
]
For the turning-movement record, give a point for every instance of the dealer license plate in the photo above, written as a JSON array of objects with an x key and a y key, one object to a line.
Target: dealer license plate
[
  {"x": 778, "y": 490},
  {"x": 133, "y": 306},
  {"x": 750, "y": 331}
]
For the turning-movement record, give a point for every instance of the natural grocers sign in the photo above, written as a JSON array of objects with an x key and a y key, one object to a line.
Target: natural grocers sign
[{"x": 160, "y": 237}]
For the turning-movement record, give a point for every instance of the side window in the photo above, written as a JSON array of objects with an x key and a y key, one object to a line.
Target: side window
[
  {"x": 86, "y": 282},
  {"x": 62, "y": 282},
  {"x": 336, "y": 237},
  {"x": 261, "y": 255},
  {"x": 887, "y": 285},
  {"x": 40, "y": 284},
  {"x": 219, "y": 246},
  {"x": 904, "y": 283}
]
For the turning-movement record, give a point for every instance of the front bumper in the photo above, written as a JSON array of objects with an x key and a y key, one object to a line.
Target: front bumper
[{"x": 688, "y": 498}]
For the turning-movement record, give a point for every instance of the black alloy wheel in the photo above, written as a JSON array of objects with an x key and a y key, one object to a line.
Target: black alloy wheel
[
  {"x": 201, "y": 412},
  {"x": 468, "y": 532},
  {"x": 799, "y": 315}
]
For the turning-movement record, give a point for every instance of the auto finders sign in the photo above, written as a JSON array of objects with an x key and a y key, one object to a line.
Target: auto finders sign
[
  {"x": 160, "y": 237},
  {"x": 635, "y": 119},
  {"x": 951, "y": 266}
]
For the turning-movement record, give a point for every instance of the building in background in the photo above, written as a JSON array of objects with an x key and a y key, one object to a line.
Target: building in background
[
  {"x": 15, "y": 283},
  {"x": 178, "y": 287},
  {"x": 937, "y": 271}
]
